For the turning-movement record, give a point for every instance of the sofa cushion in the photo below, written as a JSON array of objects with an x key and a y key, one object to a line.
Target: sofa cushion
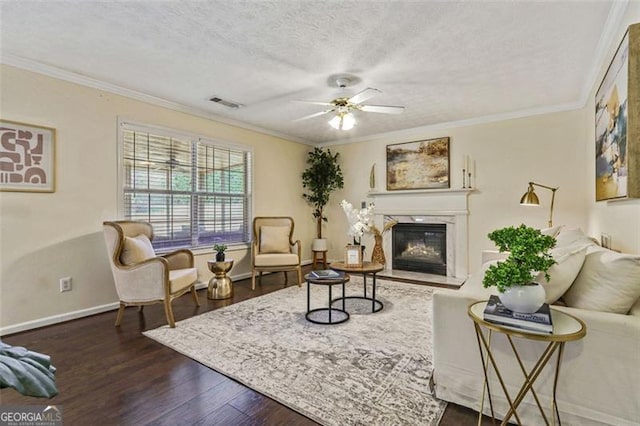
[
  {"x": 136, "y": 249},
  {"x": 473, "y": 285},
  {"x": 607, "y": 282},
  {"x": 274, "y": 239},
  {"x": 569, "y": 260}
]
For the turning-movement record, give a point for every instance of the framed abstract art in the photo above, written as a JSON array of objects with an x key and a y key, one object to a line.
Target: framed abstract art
[
  {"x": 617, "y": 122},
  {"x": 27, "y": 157}
]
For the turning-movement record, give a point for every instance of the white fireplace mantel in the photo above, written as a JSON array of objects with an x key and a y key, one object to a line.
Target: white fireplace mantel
[{"x": 447, "y": 206}]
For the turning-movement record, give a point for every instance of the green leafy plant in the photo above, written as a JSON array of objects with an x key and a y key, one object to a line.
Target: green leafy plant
[
  {"x": 528, "y": 252},
  {"x": 322, "y": 176},
  {"x": 220, "y": 248}
]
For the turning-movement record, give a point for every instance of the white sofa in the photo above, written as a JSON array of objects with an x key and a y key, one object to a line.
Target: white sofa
[{"x": 599, "y": 380}]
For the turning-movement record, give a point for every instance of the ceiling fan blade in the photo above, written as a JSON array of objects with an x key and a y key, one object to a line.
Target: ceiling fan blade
[
  {"x": 314, "y": 103},
  {"x": 383, "y": 109},
  {"x": 317, "y": 114},
  {"x": 367, "y": 93}
]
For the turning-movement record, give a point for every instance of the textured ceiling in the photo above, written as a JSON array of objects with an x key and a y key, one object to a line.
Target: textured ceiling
[{"x": 444, "y": 61}]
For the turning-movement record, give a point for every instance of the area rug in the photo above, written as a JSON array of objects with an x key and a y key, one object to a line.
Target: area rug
[{"x": 373, "y": 369}]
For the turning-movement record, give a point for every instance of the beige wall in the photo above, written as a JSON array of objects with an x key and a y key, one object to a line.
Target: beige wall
[
  {"x": 620, "y": 219},
  {"x": 44, "y": 237},
  {"x": 547, "y": 149}
]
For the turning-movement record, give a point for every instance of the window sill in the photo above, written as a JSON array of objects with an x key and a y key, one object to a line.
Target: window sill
[{"x": 231, "y": 248}]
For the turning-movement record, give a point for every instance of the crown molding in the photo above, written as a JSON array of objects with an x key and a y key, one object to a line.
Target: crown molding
[
  {"x": 72, "y": 77},
  {"x": 417, "y": 132},
  {"x": 604, "y": 52}
]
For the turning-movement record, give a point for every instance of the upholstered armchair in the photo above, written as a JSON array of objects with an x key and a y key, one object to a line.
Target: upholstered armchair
[
  {"x": 273, "y": 248},
  {"x": 141, "y": 277}
]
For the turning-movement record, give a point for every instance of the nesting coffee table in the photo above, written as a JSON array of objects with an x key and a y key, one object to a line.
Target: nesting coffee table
[
  {"x": 335, "y": 315},
  {"x": 367, "y": 268}
]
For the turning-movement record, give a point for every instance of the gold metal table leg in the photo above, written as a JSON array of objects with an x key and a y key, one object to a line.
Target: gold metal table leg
[{"x": 494, "y": 364}]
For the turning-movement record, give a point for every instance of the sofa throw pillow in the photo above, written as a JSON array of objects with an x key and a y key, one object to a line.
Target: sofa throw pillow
[
  {"x": 552, "y": 232},
  {"x": 274, "y": 239},
  {"x": 607, "y": 282},
  {"x": 569, "y": 261},
  {"x": 136, "y": 249},
  {"x": 573, "y": 236}
]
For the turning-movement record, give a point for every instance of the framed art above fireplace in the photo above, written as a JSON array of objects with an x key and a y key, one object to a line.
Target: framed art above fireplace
[{"x": 418, "y": 165}]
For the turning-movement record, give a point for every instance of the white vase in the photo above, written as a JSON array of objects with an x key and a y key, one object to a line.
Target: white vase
[{"x": 524, "y": 298}]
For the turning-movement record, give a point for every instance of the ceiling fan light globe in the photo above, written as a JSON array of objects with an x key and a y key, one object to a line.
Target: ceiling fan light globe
[
  {"x": 335, "y": 122},
  {"x": 348, "y": 121}
]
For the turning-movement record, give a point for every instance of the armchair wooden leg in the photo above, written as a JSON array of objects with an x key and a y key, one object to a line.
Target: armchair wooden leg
[
  {"x": 140, "y": 308},
  {"x": 299, "y": 276},
  {"x": 286, "y": 279},
  {"x": 195, "y": 294},
  {"x": 120, "y": 314},
  {"x": 169, "y": 312},
  {"x": 253, "y": 279}
]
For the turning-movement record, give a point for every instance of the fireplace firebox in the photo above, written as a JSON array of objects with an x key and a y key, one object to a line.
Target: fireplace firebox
[{"x": 420, "y": 247}]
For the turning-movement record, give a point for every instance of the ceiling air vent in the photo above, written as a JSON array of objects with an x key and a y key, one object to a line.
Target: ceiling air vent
[{"x": 228, "y": 104}]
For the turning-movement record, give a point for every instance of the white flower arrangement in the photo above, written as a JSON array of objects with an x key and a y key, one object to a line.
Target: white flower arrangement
[{"x": 360, "y": 221}]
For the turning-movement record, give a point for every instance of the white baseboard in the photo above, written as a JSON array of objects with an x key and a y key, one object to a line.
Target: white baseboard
[
  {"x": 55, "y": 319},
  {"x": 68, "y": 316}
]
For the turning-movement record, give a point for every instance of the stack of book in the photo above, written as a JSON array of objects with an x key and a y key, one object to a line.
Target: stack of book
[
  {"x": 326, "y": 274},
  {"x": 537, "y": 322}
]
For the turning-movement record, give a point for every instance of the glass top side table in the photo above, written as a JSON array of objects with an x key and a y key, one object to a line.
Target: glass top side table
[{"x": 566, "y": 328}]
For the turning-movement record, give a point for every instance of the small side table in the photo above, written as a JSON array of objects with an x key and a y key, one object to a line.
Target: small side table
[
  {"x": 367, "y": 268},
  {"x": 320, "y": 256},
  {"x": 342, "y": 314},
  {"x": 220, "y": 286},
  {"x": 566, "y": 328}
]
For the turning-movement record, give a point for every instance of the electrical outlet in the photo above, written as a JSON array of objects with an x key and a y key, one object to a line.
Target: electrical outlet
[
  {"x": 605, "y": 240},
  {"x": 65, "y": 284}
]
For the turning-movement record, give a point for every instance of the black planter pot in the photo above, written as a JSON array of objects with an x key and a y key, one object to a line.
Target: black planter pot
[{"x": 220, "y": 256}]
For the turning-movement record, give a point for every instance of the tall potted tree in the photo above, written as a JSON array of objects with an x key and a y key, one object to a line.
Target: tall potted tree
[{"x": 322, "y": 176}]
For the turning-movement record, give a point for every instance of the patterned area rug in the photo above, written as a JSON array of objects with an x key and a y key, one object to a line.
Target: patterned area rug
[{"x": 373, "y": 369}]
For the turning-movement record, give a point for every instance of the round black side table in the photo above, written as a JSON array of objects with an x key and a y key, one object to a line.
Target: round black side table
[{"x": 335, "y": 315}]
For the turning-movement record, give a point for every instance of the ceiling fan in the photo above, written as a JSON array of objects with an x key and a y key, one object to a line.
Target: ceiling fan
[{"x": 344, "y": 107}]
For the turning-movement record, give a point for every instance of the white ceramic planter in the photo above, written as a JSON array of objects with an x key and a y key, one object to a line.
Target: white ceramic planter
[
  {"x": 524, "y": 298},
  {"x": 319, "y": 244}
]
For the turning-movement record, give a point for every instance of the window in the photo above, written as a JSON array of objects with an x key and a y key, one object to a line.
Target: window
[{"x": 195, "y": 192}]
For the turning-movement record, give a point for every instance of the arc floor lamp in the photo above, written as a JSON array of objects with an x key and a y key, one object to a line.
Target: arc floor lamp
[{"x": 531, "y": 199}]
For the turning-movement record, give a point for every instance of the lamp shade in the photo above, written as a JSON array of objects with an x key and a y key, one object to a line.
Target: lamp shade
[{"x": 530, "y": 198}]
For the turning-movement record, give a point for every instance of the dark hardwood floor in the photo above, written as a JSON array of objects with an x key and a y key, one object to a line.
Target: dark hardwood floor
[{"x": 117, "y": 376}]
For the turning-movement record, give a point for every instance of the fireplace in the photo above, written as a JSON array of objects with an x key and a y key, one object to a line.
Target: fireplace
[
  {"x": 420, "y": 247},
  {"x": 445, "y": 207}
]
